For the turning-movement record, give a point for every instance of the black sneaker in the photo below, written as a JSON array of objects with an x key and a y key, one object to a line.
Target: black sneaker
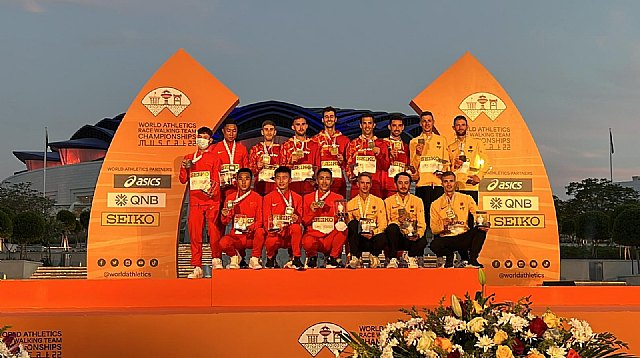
[
  {"x": 297, "y": 264},
  {"x": 271, "y": 263},
  {"x": 449, "y": 262},
  {"x": 474, "y": 264},
  {"x": 243, "y": 264},
  {"x": 312, "y": 262},
  {"x": 332, "y": 262}
]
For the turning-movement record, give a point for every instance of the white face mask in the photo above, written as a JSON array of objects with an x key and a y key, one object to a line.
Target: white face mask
[{"x": 202, "y": 143}]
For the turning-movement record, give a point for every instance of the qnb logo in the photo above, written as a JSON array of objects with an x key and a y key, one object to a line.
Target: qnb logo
[
  {"x": 136, "y": 200},
  {"x": 510, "y": 203},
  {"x": 141, "y": 181},
  {"x": 321, "y": 335},
  {"x": 494, "y": 185}
]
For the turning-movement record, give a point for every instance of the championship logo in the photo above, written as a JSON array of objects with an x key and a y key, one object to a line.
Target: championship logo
[
  {"x": 323, "y": 334},
  {"x": 166, "y": 97},
  {"x": 482, "y": 102}
]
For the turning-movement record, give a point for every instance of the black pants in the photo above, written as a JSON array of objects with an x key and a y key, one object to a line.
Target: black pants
[
  {"x": 468, "y": 244},
  {"x": 397, "y": 241},
  {"x": 474, "y": 195},
  {"x": 359, "y": 244},
  {"x": 428, "y": 194}
]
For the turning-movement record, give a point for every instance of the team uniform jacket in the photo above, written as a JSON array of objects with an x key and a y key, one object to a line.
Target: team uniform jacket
[
  {"x": 360, "y": 147},
  {"x": 414, "y": 207},
  {"x": 476, "y": 157},
  {"x": 328, "y": 210},
  {"x": 435, "y": 147},
  {"x": 376, "y": 211},
  {"x": 255, "y": 156},
  {"x": 207, "y": 163},
  {"x": 400, "y": 162},
  {"x": 461, "y": 204}
]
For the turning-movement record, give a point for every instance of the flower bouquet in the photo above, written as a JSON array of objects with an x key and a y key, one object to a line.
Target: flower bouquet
[
  {"x": 480, "y": 327},
  {"x": 9, "y": 346}
]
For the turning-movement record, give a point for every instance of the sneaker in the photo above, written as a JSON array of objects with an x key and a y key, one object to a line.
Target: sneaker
[
  {"x": 393, "y": 263},
  {"x": 440, "y": 260},
  {"x": 462, "y": 264},
  {"x": 354, "y": 263},
  {"x": 254, "y": 263},
  {"x": 272, "y": 263},
  {"x": 448, "y": 262},
  {"x": 243, "y": 263},
  {"x": 197, "y": 273},
  {"x": 474, "y": 264},
  {"x": 332, "y": 263},
  {"x": 296, "y": 263},
  {"x": 235, "y": 262},
  {"x": 375, "y": 261},
  {"x": 312, "y": 262},
  {"x": 217, "y": 264},
  {"x": 413, "y": 262}
]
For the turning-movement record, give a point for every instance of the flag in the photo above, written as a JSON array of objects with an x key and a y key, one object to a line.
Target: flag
[{"x": 611, "y": 141}]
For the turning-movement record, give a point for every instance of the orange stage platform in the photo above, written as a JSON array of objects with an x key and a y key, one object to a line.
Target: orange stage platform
[{"x": 262, "y": 313}]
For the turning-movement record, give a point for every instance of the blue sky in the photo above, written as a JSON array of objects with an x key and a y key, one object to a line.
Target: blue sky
[{"x": 571, "y": 67}]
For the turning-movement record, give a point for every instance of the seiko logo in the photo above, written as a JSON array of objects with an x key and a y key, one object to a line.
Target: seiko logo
[
  {"x": 517, "y": 221},
  {"x": 141, "y": 181},
  {"x": 130, "y": 219},
  {"x": 510, "y": 203},
  {"x": 136, "y": 200},
  {"x": 506, "y": 185}
]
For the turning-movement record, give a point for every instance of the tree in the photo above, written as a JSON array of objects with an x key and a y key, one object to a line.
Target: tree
[
  {"x": 597, "y": 195},
  {"x": 593, "y": 226},
  {"x": 617, "y": 211},
  {"x": 568, "y": 228},
  {"x": 21, "y": 198},
  {"x": 28, "y": 227},
  {"x": 84, "y": 219},
  {"x": 6, "y": 227},
  {"x": 68, "y": 221},
  {"x": 626, "y": 230}
]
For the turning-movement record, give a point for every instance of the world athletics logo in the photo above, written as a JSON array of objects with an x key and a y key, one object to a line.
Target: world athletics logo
[{"x": 321, "y": 335}]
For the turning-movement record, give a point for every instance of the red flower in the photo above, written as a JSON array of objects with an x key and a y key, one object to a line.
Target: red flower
[
  {"x": 11, "y": 342},
  {"x": 537, "y": 326},
  {"x": 517, "y": 347},
  {"x": 573, "y": 354},
  {"x": 456, "y": 354}
]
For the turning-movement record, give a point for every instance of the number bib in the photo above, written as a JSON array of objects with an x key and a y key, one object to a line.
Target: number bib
[
  {"x": 300, "y": 172},
  {"x": 200, "y": 181},
  {"x": 324, "y": 224},
  {"x": 365, "y": 164},
  {"x": 332, "y": 165},
  {"x": 267, "y": 173}
]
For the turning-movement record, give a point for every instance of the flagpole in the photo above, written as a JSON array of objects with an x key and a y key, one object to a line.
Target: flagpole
[
  {"x": 44, "y": 170},
  {"x": 610, "y": 155}
]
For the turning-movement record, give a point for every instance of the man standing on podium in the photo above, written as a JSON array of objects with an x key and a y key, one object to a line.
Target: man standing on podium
[
  {"x": 264, "y": 158},
  {"x": 244, "y": 210},
  {"x": 325, "y": 228},
  {"x": 332, "y": 146},
  {"x": 368, "y": 154},
  {"x": 398, "y": 153},
  {"x": 449, "y": 224},
  {"x": 429, "y": 157},
  {"x": 198, "y": 170},
  {"x": 299, "y": 154}
]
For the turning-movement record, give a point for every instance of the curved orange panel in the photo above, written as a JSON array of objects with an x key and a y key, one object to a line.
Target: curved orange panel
[
  {"x": 522, "y": 247},
  {"x": 136, "y": 206}
]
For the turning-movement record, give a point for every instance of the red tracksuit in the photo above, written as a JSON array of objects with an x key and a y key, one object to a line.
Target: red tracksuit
[
  {"x": 400, "y": 161},
  {"x": 315, "y": 241},
  {"x": 251, "y": 207},
  {"x": 310, "y": 150},
  {"x": 201, "y": 205},
  {"x": 325, "y": 142},
  {"x": 240, "y": 157},
  {"x": 291, "y": 235},
  {"x": 360, "y": 147},
  {"x": 255, "y": 155}
]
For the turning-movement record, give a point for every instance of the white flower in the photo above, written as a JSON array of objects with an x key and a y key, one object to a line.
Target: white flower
[
  {"x": 4, "y": 351},
  {"x": 413, "y": 336},
  {"x": 484, "y": 342},
  {"x": 556, "y": 352},
  {"x": 518, "y": 323},
  {"x": 505, "y": 318},
  {"x": 581, "y": 330},
  {"x": 476, "y": 325},
  {"x": 387, "y": 352},
  {"x": 452, "y": 324},
  {"x": 529, "y": 335}
]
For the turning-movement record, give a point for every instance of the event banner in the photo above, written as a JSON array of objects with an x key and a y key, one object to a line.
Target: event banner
[
  {"x": 522, "y": 246},
  {"x": 133, "y": 230}
]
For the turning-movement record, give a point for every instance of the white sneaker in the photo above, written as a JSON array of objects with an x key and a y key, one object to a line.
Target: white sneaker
[
  {"x": 254, "y": 263},
  {"x": 413, "y": 262},
  {"x": 288, "y": 265},
  {"x": 197, "y": 273},
  {"x": 217, "y": 264},
  {"x": 393, "y": 263},
  {"x": 354, "y": 262},
  {"x": 235, "y": 262},
  {"x": 375, "y": 261}
]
